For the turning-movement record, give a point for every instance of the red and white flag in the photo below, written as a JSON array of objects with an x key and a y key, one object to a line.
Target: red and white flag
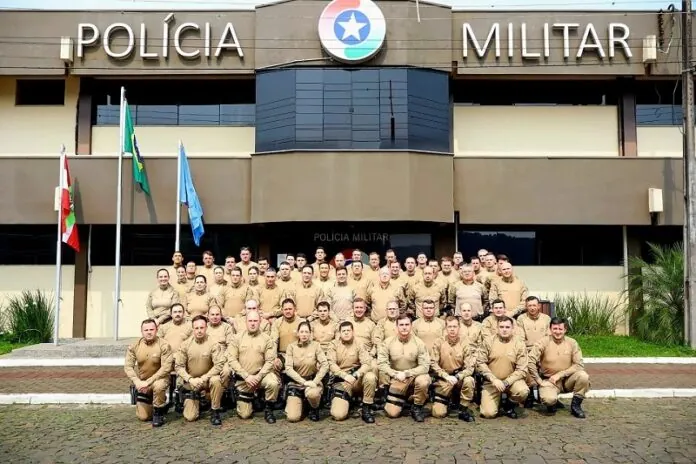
[{"x": 67, "y": 209}]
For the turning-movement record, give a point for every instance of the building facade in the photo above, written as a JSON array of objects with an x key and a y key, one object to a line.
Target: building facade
[{"x": 347, "y": 124}]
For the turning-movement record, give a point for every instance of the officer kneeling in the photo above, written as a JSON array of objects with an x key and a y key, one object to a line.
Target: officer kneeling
[
  {"x": 502, "y": 362},
  {"x": 152, "y": 358},
  {"x": 405, "y": 360},
  {"x": 250, "y": 356},
  {"x": 453, "y": 363},
  {"x": 198, "y": 364},
  {"x": 351, "y": 364},
  {"x": 562, "y": 369}
]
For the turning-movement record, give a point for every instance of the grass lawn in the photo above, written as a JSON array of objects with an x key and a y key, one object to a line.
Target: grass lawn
[
  {"x": 616, "y": 346},
  {"x": 6, "y": 345}
]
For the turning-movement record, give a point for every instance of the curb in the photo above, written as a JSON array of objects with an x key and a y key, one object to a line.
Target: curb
[
  {"x": 117, "y": 398},
  {"x": 118, "y": 362}
]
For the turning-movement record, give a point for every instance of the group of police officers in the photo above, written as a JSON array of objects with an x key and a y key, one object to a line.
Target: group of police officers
[{"x": 341, "y": 333}]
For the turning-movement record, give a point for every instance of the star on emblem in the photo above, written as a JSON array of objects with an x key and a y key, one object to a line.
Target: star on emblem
[{"x": 351, "y": 28}]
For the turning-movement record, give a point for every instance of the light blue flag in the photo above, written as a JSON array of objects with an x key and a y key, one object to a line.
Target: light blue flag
[{"x": 189, "y": 197}]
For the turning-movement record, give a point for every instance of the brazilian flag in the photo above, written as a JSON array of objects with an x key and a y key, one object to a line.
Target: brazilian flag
[{"x": 130, "y": 146}]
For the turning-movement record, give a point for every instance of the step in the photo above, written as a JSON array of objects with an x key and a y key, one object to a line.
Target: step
[{"x": 74, "y": 348}]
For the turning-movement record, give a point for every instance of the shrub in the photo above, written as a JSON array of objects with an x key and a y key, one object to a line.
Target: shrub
[
  {"x": 31, "y": 317},
  {"x": 656, "y": 295},
  {"x": 588, "y": 315}
]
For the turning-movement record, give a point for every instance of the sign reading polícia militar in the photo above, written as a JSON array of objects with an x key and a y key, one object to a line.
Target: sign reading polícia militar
[
  {"x": 175, "y": 40},
  {"x": 352, "y": 31}
]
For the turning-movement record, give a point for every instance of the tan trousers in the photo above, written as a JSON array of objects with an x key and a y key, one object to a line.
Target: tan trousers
[
  {"x": 578, "y": 383},
  {"x": 417, "y": 385},
  {"x": 490, "y": 397},
  {"x": 270, "y": 384},
  {"x": 367, "y": 385},
  {"x": 143, "y": 411},
  {"x": 293, "y": 404},
  {"x": 444, "y": 388},
  {"x": 213, "y": 389}
]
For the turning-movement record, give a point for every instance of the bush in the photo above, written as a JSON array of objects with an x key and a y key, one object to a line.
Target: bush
[
  {"x": 588, "y": 315},
  {"x": 30, "y": 317},
  {"x": 656, "y": 296}
]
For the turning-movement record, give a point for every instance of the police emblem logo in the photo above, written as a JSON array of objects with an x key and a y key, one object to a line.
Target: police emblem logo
[{"x": 352, "y": 31}]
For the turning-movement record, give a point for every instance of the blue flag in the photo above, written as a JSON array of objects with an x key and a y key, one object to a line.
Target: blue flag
[{"x": 189, "y": 197}]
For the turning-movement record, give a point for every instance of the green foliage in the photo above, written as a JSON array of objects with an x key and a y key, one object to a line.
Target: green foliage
[
  {"x": 656, "y": 295},
  {"x": 30, "y": 317},
  {"x": 610, "y": 346},
  {"x": 588, "y": 314}
]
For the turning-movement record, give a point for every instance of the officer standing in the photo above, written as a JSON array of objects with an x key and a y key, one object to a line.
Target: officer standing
[
  {"x": 152, "y": 358},
  {"x": 428, "y": 328},
  {"x": 350, "y": 362},
  {"x": 406, "y": 362},
  {"x": 469, "y": 328},
  {"x": 561, "y": 369},
  {"x": 198, "y": 364},
  {"x": 305, "y": 365},
  {"x": 250, "y": 357},
  {"x": 161, "y": 299},
  {"x": 453, "y": 363},
  {"x": 502, "y": 361},
  {"x": 177, "y": 329},
  {"x": 284, "y": 331},
  {"x": 324, "y": 328}
]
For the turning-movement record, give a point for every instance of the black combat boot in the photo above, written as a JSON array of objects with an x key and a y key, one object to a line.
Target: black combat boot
[
  {"x": 268, "y": 413},
  {"x": 367, "y": 415},
  {"x": 465, "y": 414},
  {"x": 417, "y": 413},
  {"x": 215, "y": 417},
  {"x": 509, "y": 409},
  {"x": 313, "y": 414},
  {"x": 529, "y": 402},
  {"x": 158, "y": 417},
  {"x": 380, "y": 398},
  {"x": 575, "y": 407}
]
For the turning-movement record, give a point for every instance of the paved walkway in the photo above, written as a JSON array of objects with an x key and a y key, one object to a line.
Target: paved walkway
[
  {"x": 635, "y": 431},
  {"x": 113, "y": 380}
]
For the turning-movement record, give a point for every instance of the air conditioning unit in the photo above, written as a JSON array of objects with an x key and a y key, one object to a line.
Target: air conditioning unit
[
  {"x": 66, "y": 49},
  {"x": 650, "y": 49},
  {"x": 655, "y": 200}
]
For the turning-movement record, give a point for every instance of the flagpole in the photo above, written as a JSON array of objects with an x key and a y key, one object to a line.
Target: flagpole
[
  {"x": 119, "y": 197},
  {"x": 177, "y": 241},
  {"x": 59, "y": 245}
]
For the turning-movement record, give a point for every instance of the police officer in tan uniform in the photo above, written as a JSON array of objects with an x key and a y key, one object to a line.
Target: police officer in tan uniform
[
  {"x": 182, "y": 285},
  {"x": 284, "y": 331},
  {"x": 198, "y": 364},
  {"x": 306, "y": 294},
  {"x": 177, "y": 262},
  {"x": 509, "y": 288},
  {"x": 533, "y": 326},
  {"x": 245, "y": 261},
  {"x": 556, "y": 365},
  {"x": 177, "y": 329},
  {"x": 453, "y": 363},
  {"x": 382, "y": 292},
  {"x": 489, "y": 326},
  {"x": 429, "y": 328},
  {"x": 160, "y": 300},
  {"x": 426, "y": 289},
  {"x": 351, "y": 364},
  {"x": 469, "y": 328},
  {"x": 148, "y": 363},
  {"x": 237, "y": 295},
  {"x": 208, "y": 266},
  {"x": 270, "y": 295},
  {"x": 406, "y": 361},
  {"x": 467, "y": 290},
  {"x": 305, "y": 366},
  {"x": 250, "y": 356},
  {"x": 502, "y": 361},
  {"x": 199, "y": 300},
  {"x": 324, "y": 327},
  {"x": 340, "y": 295},
  {"x": 358, "y": 281},
  {"x": 218, "y": 329}
]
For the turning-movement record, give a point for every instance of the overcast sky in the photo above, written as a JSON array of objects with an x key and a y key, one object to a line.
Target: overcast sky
[{"x": 170, "y": 5}]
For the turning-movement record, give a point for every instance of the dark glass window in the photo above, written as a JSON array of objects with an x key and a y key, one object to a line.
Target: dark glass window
[
  {"x": 658, "y": 103},
  {"x": 40, "y": 92},
  {"x": 175, "y": 102},
  {"x": 153, "y": 245},
  {"x": 362, "y": 109},
  {"x": 548, "y": 245},
  {"x": 32, "y": 244}
]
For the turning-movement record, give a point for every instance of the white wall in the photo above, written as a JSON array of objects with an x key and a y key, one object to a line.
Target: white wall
[
  {"x": 37, "y": 130},
  {"x": 660, "y": 141},
  {"x": 221, "y": 141},
  {"x": 532, "y": 131},
  {"x": 15, "y": 279}
]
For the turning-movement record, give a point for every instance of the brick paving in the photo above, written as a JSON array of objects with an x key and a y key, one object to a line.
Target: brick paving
[
  {"x": 616, "y": 431},
  {"x": 113, "y": 380}
]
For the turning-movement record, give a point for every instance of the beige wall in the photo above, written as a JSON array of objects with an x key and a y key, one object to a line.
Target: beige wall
[
  {"x": 546, "y": 131},
  {"x": 660, "y": 141},
  {"x": 15, "y": 279},
  {"x": 19, "y": 131},
  {"x": 162, "y": 140}
]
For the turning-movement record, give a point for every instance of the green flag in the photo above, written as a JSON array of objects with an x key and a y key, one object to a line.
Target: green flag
[{"x": 130, "y": 146}]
